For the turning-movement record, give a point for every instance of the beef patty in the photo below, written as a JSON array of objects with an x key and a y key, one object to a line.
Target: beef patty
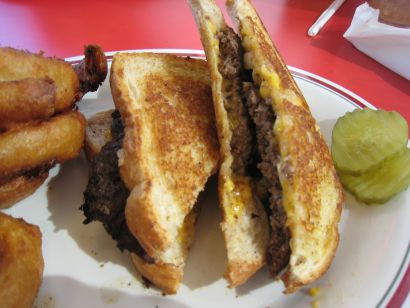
[
  {"x": 106, "y": 195},
  {"x": 253, "y": 142},
  {"x": 231, "y": 68},
  {"x": 264, "y": 118}
]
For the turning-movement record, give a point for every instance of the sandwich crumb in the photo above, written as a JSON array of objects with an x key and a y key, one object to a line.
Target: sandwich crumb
[
  {"x": 45, "y": 302},
  {"x": 314, "y": 291}
]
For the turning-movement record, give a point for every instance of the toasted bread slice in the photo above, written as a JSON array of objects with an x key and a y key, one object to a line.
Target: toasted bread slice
[
  {"x": 245, "y": 225},
  {"x": 97, "y": 132},
  {"x": 169, "y": 151},
  {"x": 311, "y": 192},
  {"x": 166, "y": 276}
]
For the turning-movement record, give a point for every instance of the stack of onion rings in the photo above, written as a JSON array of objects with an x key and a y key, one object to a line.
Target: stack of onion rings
[{"x": 39, "y": 127}]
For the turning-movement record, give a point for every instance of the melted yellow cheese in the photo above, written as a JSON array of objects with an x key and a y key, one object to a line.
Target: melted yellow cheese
[
  {"x": 211, "y": 27},
  {"x": 185, "y": 230},
  {"x": 314, "y": 291},
  {"x": 107, "y": 135},
  {"x": 239, "y": 193},
  {"x": 315, "y": 304},
  {"x": 265, "y": 76}
]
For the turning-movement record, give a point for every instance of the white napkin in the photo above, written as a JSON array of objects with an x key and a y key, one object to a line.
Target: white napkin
[{"x": 386, "y": 44}]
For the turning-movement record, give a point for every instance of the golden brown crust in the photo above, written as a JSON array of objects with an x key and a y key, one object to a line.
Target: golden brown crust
[
  {"x": 293, "y": 282},
  {"x": 21, "y": 262},
  {"x": 16, "y": 64},
  {"x": 165, "y": 276},
  {"x": 141, "y": 219},
  {"x": 238, "y": 273},
  {"x": 19, "y": 188},
  {"x": 174, "y": 123},
  {"x": 35, "y": 144},
  {"x": 25, "y": 100},
  {"x": 169, "y": 151},
  {"x": 311, "y": 181},
  {"x": 246, "y": 237},
  {"x": 312, "y": 194}
]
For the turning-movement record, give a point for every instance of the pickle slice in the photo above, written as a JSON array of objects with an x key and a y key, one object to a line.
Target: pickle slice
[
  {"x": 381, "y": 184},
  {"x": 362, "y": 139}
]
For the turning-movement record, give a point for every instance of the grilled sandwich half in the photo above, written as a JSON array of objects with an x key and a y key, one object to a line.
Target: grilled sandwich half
[
  {"x": 279, "y": 192},
  {"x": 165, "y": 148}
]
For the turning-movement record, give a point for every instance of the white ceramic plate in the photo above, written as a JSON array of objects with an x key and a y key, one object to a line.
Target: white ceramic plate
[{"x": 83, "y": 267}]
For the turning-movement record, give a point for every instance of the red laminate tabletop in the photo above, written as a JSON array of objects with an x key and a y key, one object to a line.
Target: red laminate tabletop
[{"x": 62, "y": 28}]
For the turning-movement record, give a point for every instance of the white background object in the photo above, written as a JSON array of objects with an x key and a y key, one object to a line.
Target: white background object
[
  {"x": 386, "y": 44},
  {"x": 324, "y": 17}
]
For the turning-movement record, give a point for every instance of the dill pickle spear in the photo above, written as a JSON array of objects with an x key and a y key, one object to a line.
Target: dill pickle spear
[
  {"x": 381, "y": 184},
  {"x": 364, "y": 138}
]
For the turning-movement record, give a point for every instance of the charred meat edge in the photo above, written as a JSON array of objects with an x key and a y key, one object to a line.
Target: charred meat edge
[
  {"x": 251, "y": 119},
  {"x": 92, "y": 70},
  {"x": 106, "y": 195}
]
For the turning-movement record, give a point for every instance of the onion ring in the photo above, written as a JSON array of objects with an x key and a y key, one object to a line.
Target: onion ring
[
  {"x": 21, "y": 262},
  {"x": 16, "y": 64},
  {"x": 25, "y": 100},
  {"x": 21, "y": 186},
  {"x": 32, "y": 145}
]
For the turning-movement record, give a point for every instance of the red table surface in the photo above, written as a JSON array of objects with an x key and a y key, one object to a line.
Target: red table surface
[{"x": 62, "y": 28}]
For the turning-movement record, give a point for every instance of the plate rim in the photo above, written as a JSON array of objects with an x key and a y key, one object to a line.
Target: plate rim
[{"x": 399, "y": 288}]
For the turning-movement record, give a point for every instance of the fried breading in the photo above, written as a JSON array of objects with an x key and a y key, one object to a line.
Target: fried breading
[
  {"x": 37, "y": 128},
  {"x": 32, "y": 145},
  {"x": 71, "y": 82},
  {"x": 21, "y": 262},
  {"x": 21, "y": 186},
  {"x": 25, "y": 100},
  {"x": 16, "y": 65}
]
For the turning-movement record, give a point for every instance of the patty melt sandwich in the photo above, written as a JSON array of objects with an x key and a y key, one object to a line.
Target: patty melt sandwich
[
  {"x": 144, "y": 183},
  {"x": 278, "y": 189}
]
